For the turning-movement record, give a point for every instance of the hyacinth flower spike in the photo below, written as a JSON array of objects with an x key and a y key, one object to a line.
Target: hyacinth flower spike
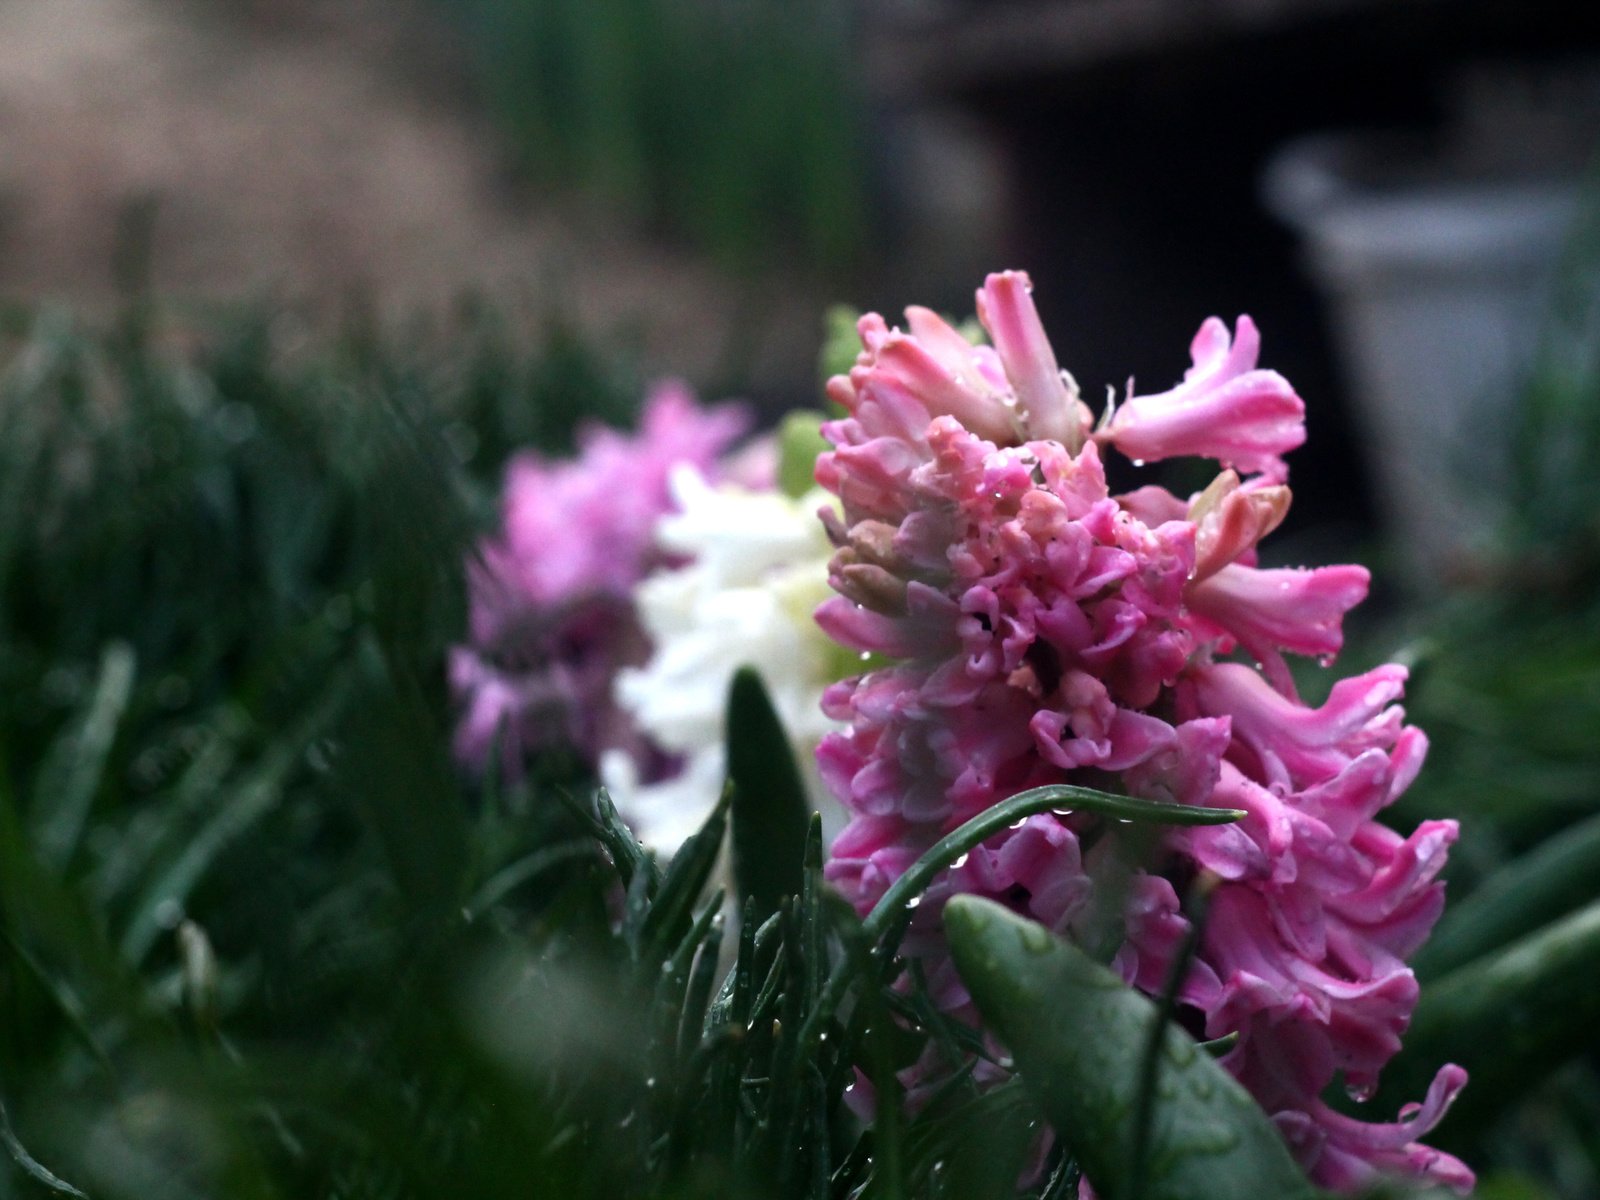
[{"x": 1040, "y": 629}]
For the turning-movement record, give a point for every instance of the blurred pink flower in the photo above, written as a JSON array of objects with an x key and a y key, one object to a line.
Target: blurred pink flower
[
  {"x": 551, "y": 616},
  {"x": 1043, "y": 630}
]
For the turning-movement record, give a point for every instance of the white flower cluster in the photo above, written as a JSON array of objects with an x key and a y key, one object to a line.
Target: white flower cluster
[{"x": 758, "y": 568}]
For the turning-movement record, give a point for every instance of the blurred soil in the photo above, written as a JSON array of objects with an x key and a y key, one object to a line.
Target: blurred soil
[{"x": 319, "y": 152}]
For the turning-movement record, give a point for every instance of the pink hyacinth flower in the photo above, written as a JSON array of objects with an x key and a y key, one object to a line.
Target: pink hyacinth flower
[
  {"x": 1225, "y": 408},
  {"x": 1044, "y": 630},
  {"x": 550, "y": 614}
]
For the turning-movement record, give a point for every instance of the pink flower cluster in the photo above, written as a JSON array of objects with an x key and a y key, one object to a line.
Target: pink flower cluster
[
  {"x": 1043, "y": 630},
  {"x": 551, "y": 616}
]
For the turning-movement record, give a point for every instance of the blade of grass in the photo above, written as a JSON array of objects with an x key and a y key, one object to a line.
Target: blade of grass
[
  {"x": 37, "y": 1171},
  {"x": 75, "y": 769}
]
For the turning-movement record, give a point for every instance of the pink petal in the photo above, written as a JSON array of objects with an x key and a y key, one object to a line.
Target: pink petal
[
  {"x": 1052, "y": 411},
  {"x": 1224, "y": 409}
]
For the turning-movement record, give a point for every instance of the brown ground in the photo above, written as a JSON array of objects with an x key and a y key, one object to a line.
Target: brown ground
[{"x": 308, "y": 150}]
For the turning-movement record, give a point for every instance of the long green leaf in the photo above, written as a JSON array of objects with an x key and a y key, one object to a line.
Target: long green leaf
[
  {"x": 1542, "y": 886},
  {"x": 672, "y": 910},
  {"x": 1052, "y": 798},
  {"x": 20, "y": 1156},
  {"x": 769, "y": 798},
  {"x": 893, "y": 909},
  {"x": 1079, "y": 1035},
  {"x": 73, "y": 774},
  {"x": 247, "y": 802}
]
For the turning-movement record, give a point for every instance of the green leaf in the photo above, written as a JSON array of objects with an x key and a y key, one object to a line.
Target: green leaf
[
  {"x": 672, "y": 910},
  {"x": 635, "y": 866},
  {"x": 400, "y": 781},
  {"x": 525, "y": 870},
  {"x": 1505, "y": 1186},
  {"x": 1079, "y": 1036},
  {"x": 75, "y": 769},
  {"x": 1524, "y": 895},
  {"x": 1508, "y": 1019},
  {"x": 770, "y": 811},
  {"x": 894, "y": 904},
  {"x": 889, "y": 917},
  {"x": 238, "y": 811},
  {"x": 20, "y": 1156}
]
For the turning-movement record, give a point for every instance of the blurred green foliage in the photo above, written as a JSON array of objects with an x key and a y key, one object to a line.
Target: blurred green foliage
[
  {"x": 737, "y": 125},
  {"x": 230, "y": 564},
  {"x": 1506, "y": 682}
]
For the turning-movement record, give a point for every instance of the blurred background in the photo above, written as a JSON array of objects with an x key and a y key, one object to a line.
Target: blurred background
[
  {"x": 266, "y": 262},
  {"x": 698, "y": 180}
]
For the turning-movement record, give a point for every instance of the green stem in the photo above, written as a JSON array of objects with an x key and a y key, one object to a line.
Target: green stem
[{"x": 894, "y": 902}]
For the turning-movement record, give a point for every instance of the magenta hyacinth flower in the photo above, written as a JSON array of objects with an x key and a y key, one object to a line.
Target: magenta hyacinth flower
[
  {"x": 1043, "y": 630},
  {"x": 551, "y": 617}
]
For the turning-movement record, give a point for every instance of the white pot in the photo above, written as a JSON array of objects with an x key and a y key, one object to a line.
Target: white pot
[{"x": 1438, "y": 290}]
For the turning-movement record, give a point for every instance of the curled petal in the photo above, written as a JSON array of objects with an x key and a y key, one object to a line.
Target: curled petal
[
  {"x": 905, "y": 364},
  {"x": 1155, "y": 505},
  {"x": 1265, "y": 611},
  {"x": 1354, "y": 1154},
  {"x": 977, "y": 366},
  {"x": 1294, "y": 745},
  {"x": 1232, "y": 524},
  {"x": 1225, "y": 408},
  {"x": 926, "y": 628}
]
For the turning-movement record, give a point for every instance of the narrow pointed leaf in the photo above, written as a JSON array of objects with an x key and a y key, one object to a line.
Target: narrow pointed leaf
[
  {"x": 1526, "y": 894},
  {"x": 770, "y": 812},
  {"x": 672, "y": 912},
  {"x": 73, "y": 773},
  {"x": 890, "y": 915},
  {"x": 20, "y": 1156},
  {"x": 1079, "y": 1036},
  {"x": 891, "y": 907}
]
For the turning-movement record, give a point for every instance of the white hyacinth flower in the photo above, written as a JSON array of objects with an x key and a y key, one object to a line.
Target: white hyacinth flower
[{"x": 758, "y": 569}]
